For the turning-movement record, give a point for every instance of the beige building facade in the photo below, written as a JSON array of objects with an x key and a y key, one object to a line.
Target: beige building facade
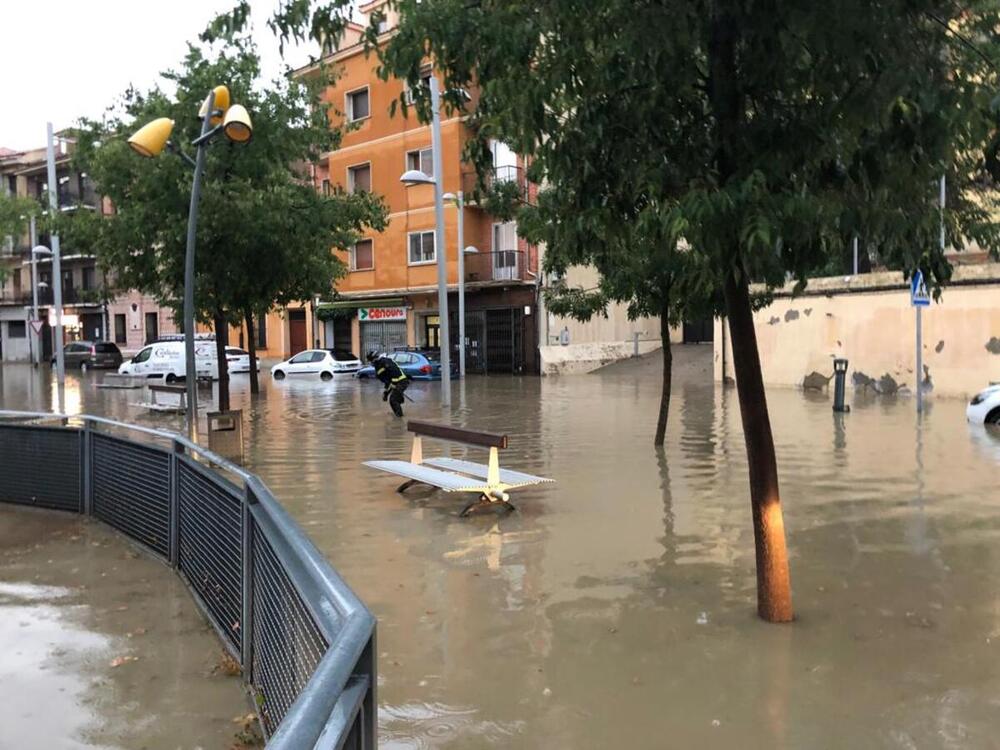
[{"x": 868, "y": 320}]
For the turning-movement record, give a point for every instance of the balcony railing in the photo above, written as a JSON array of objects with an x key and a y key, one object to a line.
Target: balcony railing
[
  {"x": 46, "y": 297},
  {"x": 499, "y": 179},
  {"x": 503, "y": 265}
]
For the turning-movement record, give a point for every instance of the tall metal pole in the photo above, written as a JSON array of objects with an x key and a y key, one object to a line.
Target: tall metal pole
[
  {"x": 920, "y": 362},
  {"x": 855, "y": 255},
  {"x": 190, "y": 371},
  {"x": 36, "y": 338},
  {"x": 461, "y": 284},
  {"x": 56, "y": 265},
  {"x": 439, "y": 246}
]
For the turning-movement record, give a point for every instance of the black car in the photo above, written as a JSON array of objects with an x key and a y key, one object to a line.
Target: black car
[{"x": 86, "y": 354}]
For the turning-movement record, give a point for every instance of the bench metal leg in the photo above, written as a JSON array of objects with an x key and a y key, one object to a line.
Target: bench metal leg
[
  {"x": 406, "y": 485},
  {"x": 486, "y": 501}
]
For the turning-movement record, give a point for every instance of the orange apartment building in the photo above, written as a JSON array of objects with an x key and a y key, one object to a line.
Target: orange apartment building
[{"x": 389, "y": 297}]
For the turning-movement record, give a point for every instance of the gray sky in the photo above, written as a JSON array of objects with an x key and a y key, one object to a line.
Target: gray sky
[{"x": 69, "y": 58}]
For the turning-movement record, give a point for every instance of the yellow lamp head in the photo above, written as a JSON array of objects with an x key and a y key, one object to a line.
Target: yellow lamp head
[
  {"x": 237, "y": 125},
  {"x": 221, "y": 104},
  {"x": 150, "y": 139}
]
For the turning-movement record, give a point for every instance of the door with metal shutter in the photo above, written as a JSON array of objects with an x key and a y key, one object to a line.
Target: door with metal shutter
[{"x": 382, "y": 336}]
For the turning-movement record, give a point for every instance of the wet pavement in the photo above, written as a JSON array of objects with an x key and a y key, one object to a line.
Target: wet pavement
[
  {"x": 616, "y": 607},
  {"x": 102, "y": 647}
]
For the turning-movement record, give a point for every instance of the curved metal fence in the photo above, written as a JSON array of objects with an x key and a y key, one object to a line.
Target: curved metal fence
[{"x": 305, "y": 642}]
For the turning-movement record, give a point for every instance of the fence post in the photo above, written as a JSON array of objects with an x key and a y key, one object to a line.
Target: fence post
[
  {"x": 246, "y": 623},
  {"x": 86, "y": 469},
  {"x": 174, "y": 494}
]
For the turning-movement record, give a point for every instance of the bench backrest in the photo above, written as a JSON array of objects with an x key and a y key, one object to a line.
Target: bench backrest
[
  {"x": 167, "y": 388},
  {"x": 457, "y": 434}
]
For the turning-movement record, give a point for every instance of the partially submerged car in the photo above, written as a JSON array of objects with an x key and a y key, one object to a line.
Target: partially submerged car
[{"x": 985, "y": 406}]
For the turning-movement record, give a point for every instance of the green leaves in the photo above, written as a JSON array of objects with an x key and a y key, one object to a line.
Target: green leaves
[{"x": 265, "y": 235}]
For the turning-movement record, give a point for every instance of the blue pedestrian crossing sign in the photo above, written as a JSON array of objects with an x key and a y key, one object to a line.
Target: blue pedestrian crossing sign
[{"x": 918, "y": 291}]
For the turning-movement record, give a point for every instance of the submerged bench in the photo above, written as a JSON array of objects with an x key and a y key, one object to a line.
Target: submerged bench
[
  {"x": 179, "y": 406},
  {"x": 488, "y": 480},
  {"x": 115, "y": 380}
]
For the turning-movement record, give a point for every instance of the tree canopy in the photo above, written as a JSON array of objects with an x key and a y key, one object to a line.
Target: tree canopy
[{"x": 265, "y": 234}]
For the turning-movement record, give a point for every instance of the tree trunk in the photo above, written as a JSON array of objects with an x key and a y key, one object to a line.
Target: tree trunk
[
  {"x": 774, "y": 593},
  {"x": 221, "y": 341},
  {"x": 668, "y": 357},
  {"x": 252, "y": 349}
]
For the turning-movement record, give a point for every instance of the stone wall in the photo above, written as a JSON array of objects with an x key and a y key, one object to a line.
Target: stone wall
[{"x": 868, "y": 320}]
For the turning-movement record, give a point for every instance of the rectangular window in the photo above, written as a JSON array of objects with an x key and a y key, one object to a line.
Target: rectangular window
[
  {"x": 422, "y": 159},
  {"x": 120, "y": 335},
  {"x": 363, "y": 256},
  {"x": 261, "y": 331},
  {"x": 326, "y": 187},
  {"x": 421, "y": 247},
  {"x": 16, "y": 329},
  {"x": 359, "y": 179},
  {"x": 357, "y": 105},
  {"x": 89, "y": 272},
  {"x": 425, "y": 78}
]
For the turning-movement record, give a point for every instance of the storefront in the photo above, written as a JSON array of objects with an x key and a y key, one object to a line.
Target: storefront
[{"x": 382, "y": 328}]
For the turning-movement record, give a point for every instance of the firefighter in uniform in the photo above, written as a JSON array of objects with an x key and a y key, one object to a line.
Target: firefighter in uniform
[{"x": 392, "y": 378}]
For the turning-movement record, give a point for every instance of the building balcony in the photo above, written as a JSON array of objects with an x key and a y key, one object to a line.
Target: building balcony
[
  {"x": 497, "y": 267},
  {"x": 502, "y": 181},
  {"x": 46, "y": 298}
]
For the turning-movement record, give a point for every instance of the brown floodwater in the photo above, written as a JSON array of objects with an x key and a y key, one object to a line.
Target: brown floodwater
[{"x": 616, "y": 607}]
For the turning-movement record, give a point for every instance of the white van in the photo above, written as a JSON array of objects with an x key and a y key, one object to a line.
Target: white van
[{"x": 165, "y": 359}]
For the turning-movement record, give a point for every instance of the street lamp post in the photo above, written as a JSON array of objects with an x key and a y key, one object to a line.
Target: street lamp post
[
  {"x": 56, "y": 265},
  {"x": 216, "y": 116},
  {"x": 416, "y": 177},
  {"x": 459, "y": 200}
]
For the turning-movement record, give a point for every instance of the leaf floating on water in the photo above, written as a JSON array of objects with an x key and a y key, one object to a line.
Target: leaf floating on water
[{"x": 119, "y": 660}]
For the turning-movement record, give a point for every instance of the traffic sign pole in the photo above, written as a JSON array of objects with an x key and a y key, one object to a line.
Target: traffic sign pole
[
  {"x": 920, "y": 299},
  {"x": 920, "y": 361}
]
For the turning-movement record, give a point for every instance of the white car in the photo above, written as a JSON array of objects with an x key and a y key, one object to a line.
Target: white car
[
  {"x": 238, "y": 360},
  {"x": 985, "y": 406},
  {"x": 324, "y": 363}
]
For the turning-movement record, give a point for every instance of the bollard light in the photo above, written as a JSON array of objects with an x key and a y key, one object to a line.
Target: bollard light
[{"x": 840, "y": 376}]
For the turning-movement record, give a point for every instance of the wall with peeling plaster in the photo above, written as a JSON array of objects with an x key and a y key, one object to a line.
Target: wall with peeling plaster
[{"x": 868, "y": 320}]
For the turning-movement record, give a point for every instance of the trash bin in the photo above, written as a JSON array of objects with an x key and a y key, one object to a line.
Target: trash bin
[{"x": 225, "y": 434}]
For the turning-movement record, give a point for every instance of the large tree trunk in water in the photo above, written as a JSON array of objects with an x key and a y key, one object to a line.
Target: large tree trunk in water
[
  {"x": 221, "y": 341},
  {"x": 668, "y": 357},
  {"x": 774, "y": 592},
  {"x": 252, "y": 349}
]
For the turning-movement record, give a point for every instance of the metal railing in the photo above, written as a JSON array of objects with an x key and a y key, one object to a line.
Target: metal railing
[
  {"x": 304, "y": 640},
  {"x": 501, "y": 265}
]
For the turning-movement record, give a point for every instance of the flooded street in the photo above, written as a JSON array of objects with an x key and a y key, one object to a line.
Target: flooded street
[{"x": 617, "y": 607}]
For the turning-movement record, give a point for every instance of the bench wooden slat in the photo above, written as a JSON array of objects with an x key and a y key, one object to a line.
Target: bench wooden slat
[
  {"x": 457, "y": 434},
  {"x": 435, "y": 478},
  {"x": 481, "y": 471}
]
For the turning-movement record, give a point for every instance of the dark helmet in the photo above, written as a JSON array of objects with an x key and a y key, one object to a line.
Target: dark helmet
[{"x": 372, "y": 355}]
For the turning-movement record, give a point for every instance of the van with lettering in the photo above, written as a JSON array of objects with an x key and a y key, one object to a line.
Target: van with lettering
[{"x": 165, "y": 359}]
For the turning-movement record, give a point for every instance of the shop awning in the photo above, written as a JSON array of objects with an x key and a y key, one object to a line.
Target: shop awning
[{"x": 354, "y": 304}]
